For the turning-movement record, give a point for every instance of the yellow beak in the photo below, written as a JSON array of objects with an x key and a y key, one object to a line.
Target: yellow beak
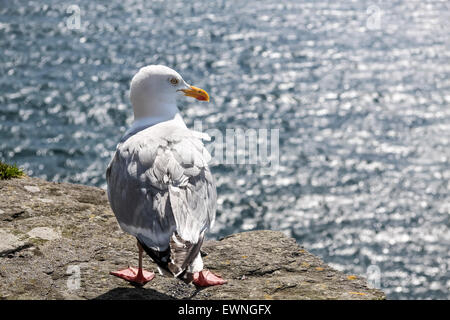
[{"x": 196, "y": 93}]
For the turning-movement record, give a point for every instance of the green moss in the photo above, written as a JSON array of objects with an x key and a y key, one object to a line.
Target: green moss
[{"x": 9, "y": 171}]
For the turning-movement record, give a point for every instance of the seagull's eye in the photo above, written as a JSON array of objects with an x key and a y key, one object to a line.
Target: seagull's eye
[{"x": 174, "y": 81}]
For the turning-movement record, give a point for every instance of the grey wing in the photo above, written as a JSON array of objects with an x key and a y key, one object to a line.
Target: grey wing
[
  {"x": 157, "y": 186},
  {"x": 139, "y": 206}
]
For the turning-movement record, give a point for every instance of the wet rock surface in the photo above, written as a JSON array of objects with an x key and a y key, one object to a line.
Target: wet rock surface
[{"x": 65, "y": 246}]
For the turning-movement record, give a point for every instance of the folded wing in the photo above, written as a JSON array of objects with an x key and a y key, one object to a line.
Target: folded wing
[{"x": 162, "y": 192}]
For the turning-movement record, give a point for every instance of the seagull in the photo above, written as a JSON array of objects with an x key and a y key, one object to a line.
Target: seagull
[{"x": 159, "y": 185}]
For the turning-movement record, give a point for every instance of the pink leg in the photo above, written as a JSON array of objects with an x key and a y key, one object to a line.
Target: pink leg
[
  {"x": 135, "y": 275},
  {"x": 206, "y": 278}
]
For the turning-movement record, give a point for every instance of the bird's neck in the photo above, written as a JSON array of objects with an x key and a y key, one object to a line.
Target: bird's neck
[
  {"x": 149, "y": 116},
  {"x": 155, "y": 107},
  {"x": 152, "y": 120}
]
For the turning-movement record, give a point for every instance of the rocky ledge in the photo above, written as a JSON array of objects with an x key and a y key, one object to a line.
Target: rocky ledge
[{"x": 60, "y": 240}]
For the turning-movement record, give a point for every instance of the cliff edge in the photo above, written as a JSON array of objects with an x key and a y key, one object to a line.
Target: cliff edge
[{"x": 60, "y": 240}]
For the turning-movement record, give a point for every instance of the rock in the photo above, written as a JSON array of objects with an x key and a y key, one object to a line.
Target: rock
[
  {"x": 9, "y": 243},
  {"x": 75, "y": 264},
  {"x": 32, "y": 189},
  {"x": 44, "y": 233},
  {"x": 46, "y": 200}
]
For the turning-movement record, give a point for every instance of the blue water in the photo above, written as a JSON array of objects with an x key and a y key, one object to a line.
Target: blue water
[{"x": 359, "y": 90}]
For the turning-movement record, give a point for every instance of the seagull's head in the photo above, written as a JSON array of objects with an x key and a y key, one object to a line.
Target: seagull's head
[{"x": 154, "y": 90}]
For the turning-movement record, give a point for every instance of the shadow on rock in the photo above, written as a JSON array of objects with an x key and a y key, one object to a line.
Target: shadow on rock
[{"x": 133, "y": 294}]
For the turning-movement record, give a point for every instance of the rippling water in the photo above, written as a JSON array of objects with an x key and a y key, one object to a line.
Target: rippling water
[{"x": 359, "y": 91}]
